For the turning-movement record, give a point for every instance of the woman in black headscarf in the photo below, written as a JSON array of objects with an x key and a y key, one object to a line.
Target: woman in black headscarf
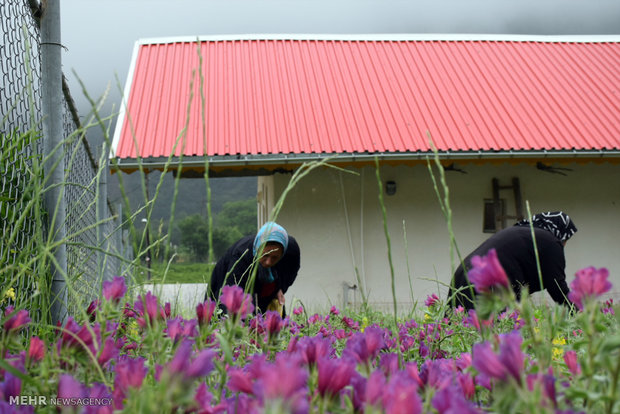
[{"x": 515, "y": 251}]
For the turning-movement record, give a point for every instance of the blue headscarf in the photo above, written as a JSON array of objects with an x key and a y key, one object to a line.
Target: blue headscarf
[{"x": 271, "y": 232}]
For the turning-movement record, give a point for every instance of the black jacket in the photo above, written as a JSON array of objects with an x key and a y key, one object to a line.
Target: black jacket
[
  {"x": 284, "y": 272},
  {"x": 515, "y": 251}
]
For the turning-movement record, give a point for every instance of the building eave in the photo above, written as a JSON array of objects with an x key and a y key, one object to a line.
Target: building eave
[{"x": 265, "y": 164}]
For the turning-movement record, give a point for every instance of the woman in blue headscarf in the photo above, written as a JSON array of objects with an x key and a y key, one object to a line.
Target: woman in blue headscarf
[{"x": 276, "y": 257}]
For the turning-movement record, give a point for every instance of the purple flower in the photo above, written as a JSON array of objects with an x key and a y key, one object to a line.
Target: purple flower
[
  {"x": 115, "y": 289},
  {"x": 570, "y": 358},
  {"x": 508, "y": 362},
  {"x": 147, "y": 305},
  {"x": 510, "y": 354},
  {"x": 236, "y": 302},
  {"x": 129, "y": 373},
  {"x": 10, "y": 387},
  {"x": 487, "y": 362},
  {"x": 589, "y": 283},
  {"x": 202, "y": 364},
  {"x": 367, "y": 345},
  {"x": 183, "y": 364},
  {"x": 178, "y": 328},
  {"x": 204, "y": 398},
  {"x": 448, "y": 401},
  {"x": 437, "y": 373},
  {"x": 487, "y": 272},
  {"x": 312, "y": 348},
  {"x": 389, "y": 363},
  {"x": 98, "y": 390},
  {"x": 547, "y": 383},
  {"x": 334, "y": 375},
  {"x": 16, "y": 320},
  {"x": 69, "y": 387},
  {"x": 205, "y": 311}
]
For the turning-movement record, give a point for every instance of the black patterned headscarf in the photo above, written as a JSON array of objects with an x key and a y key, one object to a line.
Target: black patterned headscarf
[{"x": 556, "y": 222}]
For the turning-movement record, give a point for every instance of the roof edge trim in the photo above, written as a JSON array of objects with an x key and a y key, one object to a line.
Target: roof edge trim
[
  {"x": 387, "y": 37},
  {"x": 285, "y": 159}
]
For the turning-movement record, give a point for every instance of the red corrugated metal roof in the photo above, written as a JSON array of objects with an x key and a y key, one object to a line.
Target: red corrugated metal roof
[{"x": 301, "y": 96}]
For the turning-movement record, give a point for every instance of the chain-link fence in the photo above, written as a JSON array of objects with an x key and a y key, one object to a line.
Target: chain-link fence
[{"x": 94, "y": 237}]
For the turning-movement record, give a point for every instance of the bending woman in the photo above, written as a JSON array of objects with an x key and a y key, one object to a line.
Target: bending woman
[{"x": 277, "y": 266}]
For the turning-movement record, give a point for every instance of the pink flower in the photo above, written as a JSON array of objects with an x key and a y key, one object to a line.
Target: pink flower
[
  {"x": 273, "y": 322},
  {"x": 36, "y": 350},
  {"x": 298, "y": 311},
  {"x": 589, "y": 283},
  {"x": 431, "y": 300},
  {"x": 333, "y": 375},
  {"x": 487, "y": 272},
  {"x": 401, "y": 396},
  {"x": 16, "y": 320},
  {"x": 285, "y": 379},
  {"x": 570, "y": 358},
  {"x": 236, "y": 302},
  {"x": 108, "y": 351},
  {"x": 312, "y": 348},
  {"x": 147, "y": 305},
  {"x": 239, "y": 381},
  {"x": 375, "y": 387},
  {"x": 91, "y": 310},
  {"x": 178, "y": 328},
  {"x": 115, "y": 289},
  {"x": 205, "y": 311}
]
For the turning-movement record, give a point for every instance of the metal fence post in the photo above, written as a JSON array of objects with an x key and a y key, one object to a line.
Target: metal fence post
[
  {"x": 53, "y": 133},
  {"x": 102, "y": 216}
]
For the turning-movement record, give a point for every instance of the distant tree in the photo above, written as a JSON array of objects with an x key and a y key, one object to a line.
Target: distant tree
[
  {"x": 194, "y": 236},
  {"x": 240, "y": 215},
  {"x": 194, "y": 231}
]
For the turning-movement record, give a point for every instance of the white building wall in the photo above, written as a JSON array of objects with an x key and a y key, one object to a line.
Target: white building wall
[{"x": 337, "y": 242}]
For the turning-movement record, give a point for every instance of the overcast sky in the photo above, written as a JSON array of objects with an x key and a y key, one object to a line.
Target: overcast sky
[{"x": 99, "y": 36}]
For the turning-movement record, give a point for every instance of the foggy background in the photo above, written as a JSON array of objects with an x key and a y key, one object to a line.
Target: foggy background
[{"x": 99, "y": 36}]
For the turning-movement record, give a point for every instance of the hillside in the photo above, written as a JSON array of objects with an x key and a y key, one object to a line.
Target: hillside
[{"x": 192, "y": 193}]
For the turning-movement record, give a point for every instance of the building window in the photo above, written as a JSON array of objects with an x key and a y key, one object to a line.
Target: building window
[{"x": 491, "y": 218}]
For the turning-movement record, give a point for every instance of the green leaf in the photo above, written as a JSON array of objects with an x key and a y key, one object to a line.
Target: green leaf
[
  {"x": 225, "y": 347},
  {"x": 611, "y": 344}
]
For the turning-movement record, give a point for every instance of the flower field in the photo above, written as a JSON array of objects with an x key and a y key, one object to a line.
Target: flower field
[{"x": 133, "y": 355}]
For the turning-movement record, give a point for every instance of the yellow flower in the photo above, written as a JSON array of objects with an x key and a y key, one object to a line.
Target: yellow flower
[
  {"x": 558, "y": 349},
  {"x": 428, "y": 318},
  {"x": 364, "y": 324},
  {"x": 10, "y": 293},
  {"x": 132, "y": 328}
]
